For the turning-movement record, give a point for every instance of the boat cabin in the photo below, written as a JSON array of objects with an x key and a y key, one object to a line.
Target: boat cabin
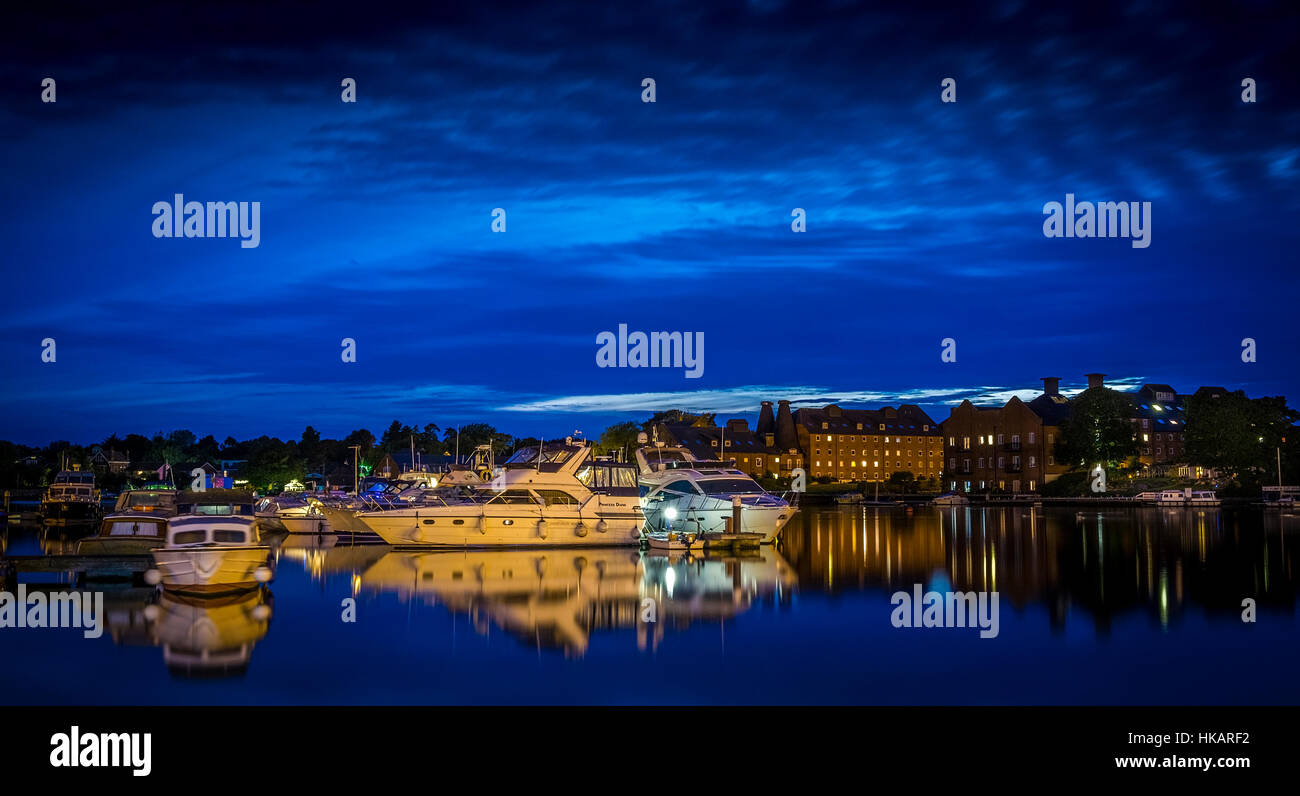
[
  {"x": 157, "y": 501},
  {"x": 216, "y": 503},
  {"x": 199, "y": 530}
]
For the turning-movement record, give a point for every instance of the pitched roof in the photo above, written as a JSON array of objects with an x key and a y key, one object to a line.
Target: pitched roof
[{"x": 906, "y": 419}]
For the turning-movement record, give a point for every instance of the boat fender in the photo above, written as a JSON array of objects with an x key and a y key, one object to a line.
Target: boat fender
[
  {"x": 153, "y": 577},
  {"x": 581, "y": 530},
  {"x": 152, "y": 612},
  {"x": 262, "y": 574},
  {"x": 541, "y": 528},
  {"x": 602, "y": 526},
  {"x": 261, "y": 613}
]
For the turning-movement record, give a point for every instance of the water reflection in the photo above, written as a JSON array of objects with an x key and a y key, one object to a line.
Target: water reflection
[
  {"x": 199, "y": 636},
  {"x": 1105, "y": 562},
  {"x": 558, "y": 598}
]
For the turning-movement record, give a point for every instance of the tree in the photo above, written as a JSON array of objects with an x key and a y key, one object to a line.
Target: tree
[
  {"x": 1100, "y": 428},
  {"x": 619, "y": 437},
  {"x": 1238, "y": 435}
]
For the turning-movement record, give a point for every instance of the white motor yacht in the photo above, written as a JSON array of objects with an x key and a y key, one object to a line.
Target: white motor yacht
[
  {"x": 682, "y": 494},
  {"x": 557, "y": 494}
]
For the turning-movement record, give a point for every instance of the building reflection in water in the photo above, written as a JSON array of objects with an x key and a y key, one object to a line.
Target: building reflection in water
[
  {"x": 1107, "y": 562},
  {"x": 557, "y": 598}
]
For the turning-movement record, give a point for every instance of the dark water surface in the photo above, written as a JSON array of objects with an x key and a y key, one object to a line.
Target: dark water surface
[{"x": 1117, "y": 606}]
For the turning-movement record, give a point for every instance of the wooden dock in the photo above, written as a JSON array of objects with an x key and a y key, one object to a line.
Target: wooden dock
[{"x": 80, "y": 567}]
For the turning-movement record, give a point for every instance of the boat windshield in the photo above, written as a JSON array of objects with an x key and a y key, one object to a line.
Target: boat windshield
[
  {"x": 529, "y": 455},
  {"x": 146, "y": 500},
  {"x": 729, "y": 486},
  {"x": 664, "y": 455}
]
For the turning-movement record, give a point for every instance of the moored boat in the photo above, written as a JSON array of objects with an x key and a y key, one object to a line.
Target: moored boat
[
  {"x": 683, "y": 494},
  {"x": 950, "y": 499},
  {"x": 212, "y": 546},
  {"x": 558, "y": 494},
  {"x": 125, "y": 534},
  {"x": 71, "y": 499}
]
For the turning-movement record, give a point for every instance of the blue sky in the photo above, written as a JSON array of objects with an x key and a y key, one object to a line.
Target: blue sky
[{"x": 924, "y": 218}]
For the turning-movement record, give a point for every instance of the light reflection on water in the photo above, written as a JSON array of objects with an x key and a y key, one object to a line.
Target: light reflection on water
[{"x": 1106, "y": 606}]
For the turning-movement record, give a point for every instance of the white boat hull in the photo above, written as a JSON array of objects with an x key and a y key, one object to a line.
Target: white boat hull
[
  {"x": 764, "y": 520},
  {"x": 504, "y": 527},
  {"x": 210, "y": 569},
  {"x": 311, "y": 523}
]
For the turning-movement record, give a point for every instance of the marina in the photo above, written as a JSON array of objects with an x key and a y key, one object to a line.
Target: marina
[{"x": 1098, "y": 606}]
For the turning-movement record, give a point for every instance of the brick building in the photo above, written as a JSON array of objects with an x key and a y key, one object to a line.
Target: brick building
[{"x": 869, "y": 444}]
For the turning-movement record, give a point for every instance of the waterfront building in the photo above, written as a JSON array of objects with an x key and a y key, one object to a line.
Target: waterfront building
[{"x": 868, "y": 444}]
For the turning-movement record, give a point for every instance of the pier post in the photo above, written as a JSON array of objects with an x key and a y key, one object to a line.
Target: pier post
[{"x": 736, "y": 510}]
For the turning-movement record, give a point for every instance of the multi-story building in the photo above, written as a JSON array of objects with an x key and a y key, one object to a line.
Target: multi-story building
[
  {"x": 994, "y": 448},
  {"x": 869, "y": 444},
  {"x": 1160, "y": 425}
]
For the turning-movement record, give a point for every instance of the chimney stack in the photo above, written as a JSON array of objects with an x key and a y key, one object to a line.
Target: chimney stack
[
  {"x": 766, "y": 424},
  {"x": 1051, "y": 385},
  {"x": 1096, "y": 380},
  {"x": 786, "y": 436}
]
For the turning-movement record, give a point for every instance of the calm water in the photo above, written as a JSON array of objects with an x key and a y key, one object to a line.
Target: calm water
[{"x": 1107, "y": 607}]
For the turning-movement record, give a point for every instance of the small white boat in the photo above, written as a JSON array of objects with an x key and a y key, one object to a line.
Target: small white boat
[
  {"x": 950, "y": 499},
  {"x": 212, "y": 547},
  {"x": 675, "y": 542}
]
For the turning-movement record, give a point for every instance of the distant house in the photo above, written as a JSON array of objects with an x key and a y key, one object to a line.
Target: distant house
[{"x": 109, "y": 461}]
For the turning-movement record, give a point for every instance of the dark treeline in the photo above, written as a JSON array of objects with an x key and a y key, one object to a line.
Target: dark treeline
[{"x": 270, "y": 462}]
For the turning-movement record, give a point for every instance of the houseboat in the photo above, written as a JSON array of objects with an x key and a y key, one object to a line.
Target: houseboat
[{"x": 1187, "y": 497}]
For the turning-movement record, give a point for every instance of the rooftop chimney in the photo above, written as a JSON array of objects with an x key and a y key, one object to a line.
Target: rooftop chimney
[
  {"x": 786, "y": 437},
  {"x": 766, "y": 425},
  {"x": 1096, "y": 380},
  {"x": 738, "y": 424},
  {"x": 1051, "y": 385}
]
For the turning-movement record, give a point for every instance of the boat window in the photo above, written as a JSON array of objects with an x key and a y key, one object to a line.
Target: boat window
[
  {"x": 514, "y": 497},
  {"x": 214, "y": 510},
  {"x": 555, "y": 497},
  {"x": 237, "y": 537},
  {"x": 190, "y": 537},
  {"x": 730, "y": 486},
  {"x": 682, "y": 487},
  {"x": 132, "y": 528},
  {"x": 603, "y": 475}
]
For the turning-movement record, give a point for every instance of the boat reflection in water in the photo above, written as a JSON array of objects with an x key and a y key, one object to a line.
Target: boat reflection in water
[
  {"x": 199, "y": 637},
  {"x": 558, "y": 598},
  {"x": 1099, "y": 563}
]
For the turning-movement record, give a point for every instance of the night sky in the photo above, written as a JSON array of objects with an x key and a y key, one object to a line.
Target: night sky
[{"x": 924, "y": 219}]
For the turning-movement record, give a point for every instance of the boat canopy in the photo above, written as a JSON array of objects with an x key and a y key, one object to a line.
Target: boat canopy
[{"x": 555, "y": 453}]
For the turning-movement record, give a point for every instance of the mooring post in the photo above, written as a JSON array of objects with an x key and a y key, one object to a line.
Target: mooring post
[{"x": 736, "y": 509}]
